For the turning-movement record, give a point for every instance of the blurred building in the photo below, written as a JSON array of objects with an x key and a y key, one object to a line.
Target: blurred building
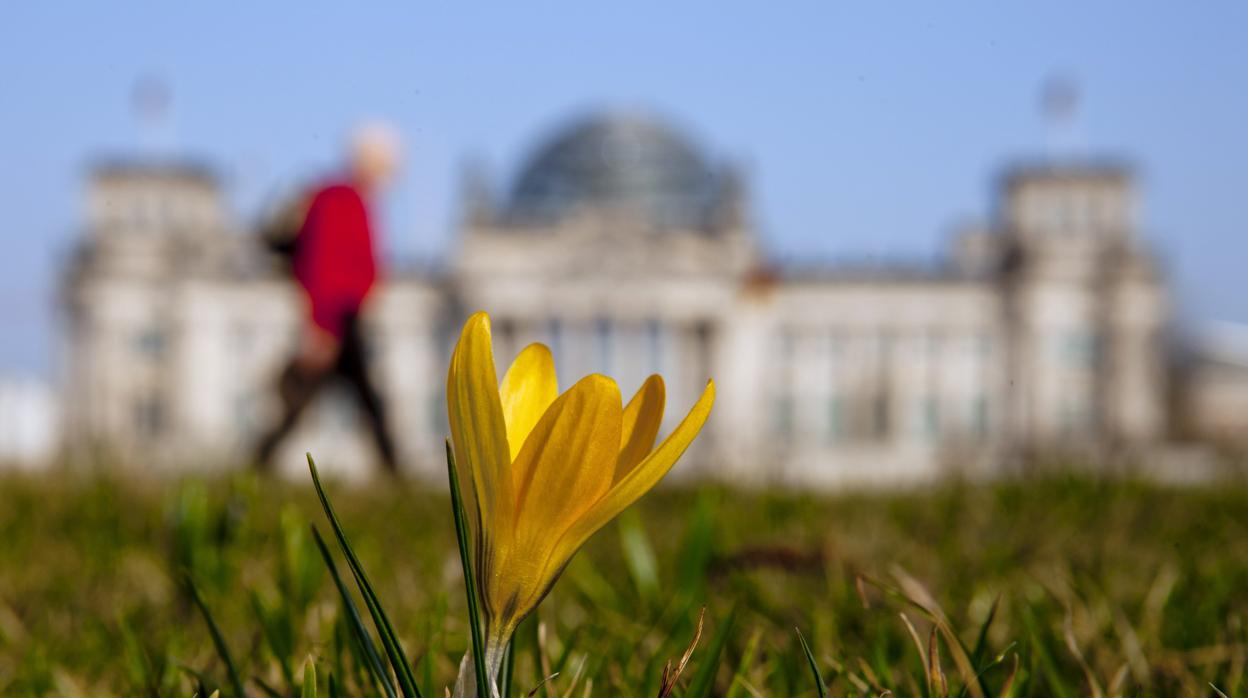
[
  {"x": 1213, "y": 402},
  {"x": 29, "y": 424},
  {"x": 630, "y": 251}
]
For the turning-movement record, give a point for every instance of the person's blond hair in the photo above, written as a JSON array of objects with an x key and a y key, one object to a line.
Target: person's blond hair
[{"x": 375, "y": 150}]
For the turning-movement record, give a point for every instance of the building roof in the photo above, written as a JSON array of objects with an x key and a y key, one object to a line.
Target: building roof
[
  {"x": 618, "y": 160},
  {"x": 864, "y": 270},
  {"x": 1099, "y": 168},
  {"x": 132, "y": 167},
  {"x": 1224, "y": 343}
]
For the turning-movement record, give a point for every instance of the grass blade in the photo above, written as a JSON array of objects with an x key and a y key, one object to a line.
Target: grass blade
[
  {"x": 814, "y": 666},
  {"x": 981, "y": 642},
  {"x": 670, "y": 676},
  {"x": 470, "y": 584},
  {"x": 434, "y": 642},
  {"x": 389, "y": 640},
  {"x": 912, "y": 592},
  {"x": 376, "y": 668},
  {"x": 276, "y": 634},
  {"x": 748, "y": 657},
  {"x": 918, "y": 646},
  {"x": 981, "y": 648},
  {"x": 308, "y": 689},
  {"x": 201, "y": 681},
  {"x": 696, "y": 551},
  {"x": 639, "y": 556},
  {"x": 218, "y": 640},
  {"x": 937, "y": 684},
  {"x": 704, "y": 681},
  {"x": 509, "y": 668}
]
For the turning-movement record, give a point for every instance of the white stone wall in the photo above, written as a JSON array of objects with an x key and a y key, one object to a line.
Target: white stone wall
[
  {"x": 869, "y": 381},
  {"x": 29, "y": 422}
]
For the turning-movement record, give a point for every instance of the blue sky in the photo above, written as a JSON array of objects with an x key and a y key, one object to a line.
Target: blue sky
[{"x": 865, "y": 128}]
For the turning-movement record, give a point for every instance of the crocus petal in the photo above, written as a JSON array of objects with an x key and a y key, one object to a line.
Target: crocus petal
[
  {"x": 528, "y": 388},
  {"x": 568, "y": 460},
  {"x": 642, "y": 418},
  {"x": 478, "y": 431},
  {"x": 638, "y": 481},
  {"x": 565, "y": 466}
]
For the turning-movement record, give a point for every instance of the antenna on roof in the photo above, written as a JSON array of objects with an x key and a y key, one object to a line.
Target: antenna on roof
[
  {"x": 1059, "y": 105},
  {"x": 151, "y": 101}
]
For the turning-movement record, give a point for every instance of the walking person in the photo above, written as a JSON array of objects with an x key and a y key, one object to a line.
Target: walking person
[{"x": 333, "y": 259}]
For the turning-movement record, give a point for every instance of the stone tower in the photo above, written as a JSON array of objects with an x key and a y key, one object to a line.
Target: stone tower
[
  {"x": 151, "y": 230},
  {"x": 1084, "y": 309}
]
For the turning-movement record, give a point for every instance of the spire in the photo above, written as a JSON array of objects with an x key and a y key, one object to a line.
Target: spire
[
  {"x": 151, "y": 101},
  {"x": 1059, "y": 106}
]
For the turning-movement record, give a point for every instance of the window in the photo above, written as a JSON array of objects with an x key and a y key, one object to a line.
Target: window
[
  {"x": 604, "y": 345},
  {"x": 983, "y": 341},
  {"x": 785, "y": 345},
  {"x": 149, "y": 416},
  {"x": 150, "y": 343},
  {"x": 1078, "y": 418},
  {"x": 979, "y": 416},
  {"x": 556, "y": 338},
  {"x": 931, "y": 417},
  {"x": 933, "y": 344},
  {"x": 654, "y": 341},
  {"x": 1079, "y": 349},
  {"x": 784, "y": 416},
  {"x": 880, "y": 416},
  {"x": 885, "y": 344},
  {"x": 836, "y": 420},
  {"x": 506, "y": 333},
  {"x": 704, "y": 333}
]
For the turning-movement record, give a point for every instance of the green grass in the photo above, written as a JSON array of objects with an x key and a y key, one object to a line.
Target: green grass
[{"x": 1054, "y": 587}]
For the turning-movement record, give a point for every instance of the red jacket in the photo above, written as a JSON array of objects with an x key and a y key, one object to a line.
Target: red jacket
[{"x": 334, "y": 259}]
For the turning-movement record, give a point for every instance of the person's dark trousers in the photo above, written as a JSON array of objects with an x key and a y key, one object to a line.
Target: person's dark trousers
[{"x": 298, "y": 388}]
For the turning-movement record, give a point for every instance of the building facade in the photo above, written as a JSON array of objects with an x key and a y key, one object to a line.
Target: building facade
[
  {"x": 630, "y": 252},
  {"x": 28, "y": 422}
]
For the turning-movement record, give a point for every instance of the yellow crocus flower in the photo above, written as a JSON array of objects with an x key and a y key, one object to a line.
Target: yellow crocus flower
[{"x": 546, "y": 470}]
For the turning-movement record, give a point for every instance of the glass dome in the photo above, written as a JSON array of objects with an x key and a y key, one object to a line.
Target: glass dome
[{"x": 617, "y": 161}]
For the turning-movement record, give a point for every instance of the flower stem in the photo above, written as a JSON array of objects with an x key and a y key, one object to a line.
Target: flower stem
[
  {"x": 466, "y": 683},
  {"x": 470, "y": 584}
]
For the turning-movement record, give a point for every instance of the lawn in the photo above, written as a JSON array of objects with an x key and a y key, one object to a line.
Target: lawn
[{"x": 1059, "y": 586}]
